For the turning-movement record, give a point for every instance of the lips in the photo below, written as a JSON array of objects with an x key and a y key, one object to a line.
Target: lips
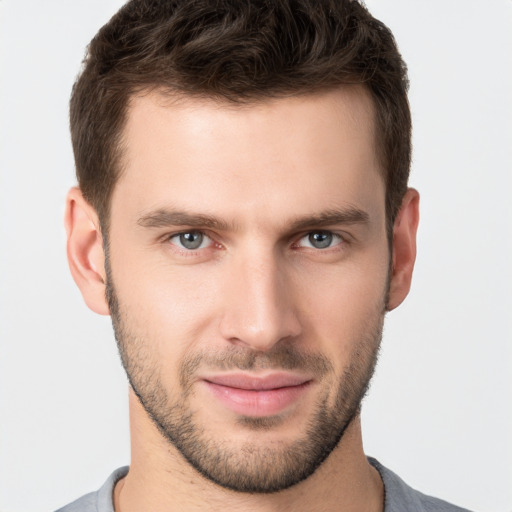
[{"x": 256, "y": 396}]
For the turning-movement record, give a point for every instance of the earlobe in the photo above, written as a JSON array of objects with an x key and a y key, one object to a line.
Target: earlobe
[
  {"x": 85, "y": 253},
  {"x": 404, "y": 248}
]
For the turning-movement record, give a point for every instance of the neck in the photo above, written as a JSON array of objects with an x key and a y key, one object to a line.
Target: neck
[{"x": 161, "y": 480}]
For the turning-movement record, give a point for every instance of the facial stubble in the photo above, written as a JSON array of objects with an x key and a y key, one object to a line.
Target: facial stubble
[{"x": 249, "y": 467}]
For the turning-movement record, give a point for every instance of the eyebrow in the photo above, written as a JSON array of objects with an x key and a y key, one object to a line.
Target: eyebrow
[
  {"x": 332, "y": 217},
  {"x": 165, "y": 218}
]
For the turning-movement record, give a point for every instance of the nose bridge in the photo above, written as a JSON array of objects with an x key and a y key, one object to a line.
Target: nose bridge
[{"x": 259, "y": 310}]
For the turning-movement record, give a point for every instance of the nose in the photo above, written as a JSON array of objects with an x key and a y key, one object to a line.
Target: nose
[{"x": 259, "y": 303}]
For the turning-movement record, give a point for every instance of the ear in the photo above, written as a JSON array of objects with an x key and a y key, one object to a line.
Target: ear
[
  {"x": 404, "y": 248},
  {"x": 86, "y": 257}
]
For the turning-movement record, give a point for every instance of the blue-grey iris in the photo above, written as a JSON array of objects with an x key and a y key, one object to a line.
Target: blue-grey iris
[
  {"x": 320, "y": 239},
  {"x": 191, "y": 240}
]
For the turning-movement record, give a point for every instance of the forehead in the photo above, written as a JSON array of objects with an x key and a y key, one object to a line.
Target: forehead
[{"x": 212, "y": 155}]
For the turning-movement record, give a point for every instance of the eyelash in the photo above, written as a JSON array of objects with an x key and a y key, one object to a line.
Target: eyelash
[
  {"x": 337, "y": 240},
  {"x": 341, "y": 240},
  {"x": 190, "y": 252}
]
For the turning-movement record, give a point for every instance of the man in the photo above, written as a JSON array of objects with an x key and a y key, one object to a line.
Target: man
[{"x": 243, "y": 215}]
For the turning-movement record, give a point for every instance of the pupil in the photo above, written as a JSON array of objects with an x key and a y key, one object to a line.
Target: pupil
[
  {"x": 191, "y": 240},
  {"x": 320, "y": 240}
]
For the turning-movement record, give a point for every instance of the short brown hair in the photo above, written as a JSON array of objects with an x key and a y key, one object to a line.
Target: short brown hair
[{"x": 240, "y": 51}]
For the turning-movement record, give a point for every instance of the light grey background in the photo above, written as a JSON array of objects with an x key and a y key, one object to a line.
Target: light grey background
[{"x": 439, "y": 412}]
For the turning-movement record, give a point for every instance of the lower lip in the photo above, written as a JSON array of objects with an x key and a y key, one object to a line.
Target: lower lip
[{"x": 253, "y": 403}]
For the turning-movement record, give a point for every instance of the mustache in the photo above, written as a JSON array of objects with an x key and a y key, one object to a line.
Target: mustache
[{"x": 280, "y": 357}]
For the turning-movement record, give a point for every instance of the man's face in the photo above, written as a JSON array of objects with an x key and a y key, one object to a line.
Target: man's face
[{"x": 248, "y": 273}]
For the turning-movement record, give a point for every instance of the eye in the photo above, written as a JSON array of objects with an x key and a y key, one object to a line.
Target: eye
[
  {"x": 320, "y": 240},
  {"x": 191, "y": 240}
]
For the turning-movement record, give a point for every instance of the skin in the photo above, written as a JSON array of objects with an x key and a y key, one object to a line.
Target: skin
[{"x": 256, "y": 284}]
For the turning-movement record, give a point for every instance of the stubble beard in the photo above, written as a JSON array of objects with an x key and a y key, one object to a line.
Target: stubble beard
[{"x": 248, "y": 467}]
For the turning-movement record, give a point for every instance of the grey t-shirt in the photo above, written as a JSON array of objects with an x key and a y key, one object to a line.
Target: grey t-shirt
[{"x": 399, "y": 497}]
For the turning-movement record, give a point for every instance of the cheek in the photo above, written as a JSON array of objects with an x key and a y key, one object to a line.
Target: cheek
[
  {"x": 345, "y": 307},
  {"x": 168, "y": 307}
]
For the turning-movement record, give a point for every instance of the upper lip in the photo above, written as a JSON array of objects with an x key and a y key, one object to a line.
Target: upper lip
[{"x": 257, "y": 383}]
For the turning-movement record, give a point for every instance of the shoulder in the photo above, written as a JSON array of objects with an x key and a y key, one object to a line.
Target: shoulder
[
  {"x": 399, "y": 497},
  {"x": 87, "y": 503},
  {"x": 98, "y": 501}
]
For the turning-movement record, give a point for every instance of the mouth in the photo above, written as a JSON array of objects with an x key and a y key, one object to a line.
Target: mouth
[{"x": 256, "y": 396}]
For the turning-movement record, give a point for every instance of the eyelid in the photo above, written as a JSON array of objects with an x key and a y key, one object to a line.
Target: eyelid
[
  {"x": 341, "y": 239},
  {"x": 169, "y": 236}
]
